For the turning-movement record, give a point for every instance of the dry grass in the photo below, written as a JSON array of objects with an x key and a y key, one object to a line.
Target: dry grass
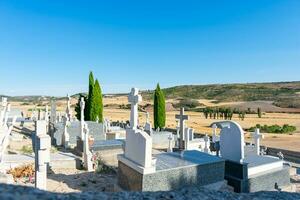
[{"x": 199, "y": 123}]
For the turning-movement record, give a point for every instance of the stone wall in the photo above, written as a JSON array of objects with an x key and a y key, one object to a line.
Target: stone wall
[{"x": 25, "y": 193}]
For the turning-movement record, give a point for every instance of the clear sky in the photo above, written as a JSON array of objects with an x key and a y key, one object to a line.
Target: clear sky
[{"x": 49, "y": 47}]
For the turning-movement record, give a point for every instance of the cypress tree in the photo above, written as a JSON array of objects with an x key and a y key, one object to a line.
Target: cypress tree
[
  {"x": 259, "y": 112},
  {"x": 159, "y": 108},
  {"x": 87, "y": 111},
  {"x": 96, "y": 108}
]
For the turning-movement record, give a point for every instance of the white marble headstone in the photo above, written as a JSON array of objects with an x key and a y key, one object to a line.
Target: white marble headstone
[{"x": 232, "y": 141}]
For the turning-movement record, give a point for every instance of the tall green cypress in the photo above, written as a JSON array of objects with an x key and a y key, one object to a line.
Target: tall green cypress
[
  {"x": 159, "y": 108},
  {"x": 87, "y": 111},
  {"x": 96, "y": 103}
]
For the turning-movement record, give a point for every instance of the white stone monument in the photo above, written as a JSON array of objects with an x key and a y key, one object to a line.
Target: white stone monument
[
  {"x": 215, "y": 137},
  {"x": 87, "y": 154},
  {"x": 148, "y": 127},
  {"x": 42, "y": 154},
  {"x": 257, "y": 136},
  {"x": 170, "y": 147},
  {"x": 181, "y": 117},
  {"x": 53, "y": 118},
  {"x": 138, "y": 146},
  {"x": 206, "y": 144},
  {"x": 47, "y": 114},
  {"x": 66, "y": 135},
  {"x": 82, "y": 107},
  {"x": 232, "y": 141},
  {"x": 68, "y": 110}
]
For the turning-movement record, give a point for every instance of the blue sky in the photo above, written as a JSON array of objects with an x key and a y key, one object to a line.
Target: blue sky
[{"x": 49, "y": 47}]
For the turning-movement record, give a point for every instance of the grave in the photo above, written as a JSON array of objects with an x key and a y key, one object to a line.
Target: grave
[
  {"x": 42, "y": 154},
  {"x": 249, "y": 172},
  {"x": 138, "y": 170}
]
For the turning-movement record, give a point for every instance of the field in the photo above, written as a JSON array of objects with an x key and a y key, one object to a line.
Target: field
[{"x": 197, "y": 120}]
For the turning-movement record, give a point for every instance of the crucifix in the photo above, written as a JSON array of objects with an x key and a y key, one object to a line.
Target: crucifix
[
  {"x": 257, "y": 136},
  {"x": 181, "y": 117},
  {"x": 82, "y": 106},
  {"x": 134, "y": 98}
]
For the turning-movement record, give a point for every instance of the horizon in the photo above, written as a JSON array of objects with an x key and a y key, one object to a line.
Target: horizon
[
  {"x": 48, "y": 48},
  {"x": 143, "y": 90}
]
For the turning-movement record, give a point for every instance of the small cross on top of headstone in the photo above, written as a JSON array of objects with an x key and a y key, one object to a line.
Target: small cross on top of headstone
[
  {"x": 181, "y": 117},
  {"x": 257, "y": 136}
]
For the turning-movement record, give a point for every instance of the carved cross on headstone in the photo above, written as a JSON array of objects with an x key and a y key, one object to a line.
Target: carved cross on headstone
[
  {"x": 134, "y": 98},
  {"x": 181, "y": 117},
  {"x": 257, "y": 136}
]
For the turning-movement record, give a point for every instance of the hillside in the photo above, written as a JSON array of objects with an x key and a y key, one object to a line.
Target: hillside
[{"x": 283, "y": 94}]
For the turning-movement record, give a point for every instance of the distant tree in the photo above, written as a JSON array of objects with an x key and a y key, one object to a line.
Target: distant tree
[
  {"x": 96, "y": 103},
  {"x": 87, "y": 111},
  {"x": 159, "y": 108},
  {"x": 77, "y": 106},
  {"x": 243, "y": 115},
  {"x": 259, "y": 112}
]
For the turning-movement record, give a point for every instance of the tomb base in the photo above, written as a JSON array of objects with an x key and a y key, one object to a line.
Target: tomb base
[
  {"x": 257, "y": 173},
  {"x": 173, "y": 172}
]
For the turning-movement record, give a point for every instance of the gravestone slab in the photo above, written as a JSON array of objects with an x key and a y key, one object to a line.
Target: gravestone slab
[{"x": 74, "y": 130}]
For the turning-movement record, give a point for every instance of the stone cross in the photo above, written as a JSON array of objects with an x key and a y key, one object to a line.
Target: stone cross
[
  {"x": 53, "y": 112},
  {"x": 215, "y": 138},
  {"x": 87, "y": 154},
  {"x": 206, "y": 143},
  {"x": 47, "y": 113},
  {"x": 257, "y": 136},
  {"x": 68, "y": 110},
  {"x": 3, "y": 110},
  {"x": 82, "y": 107},
  {"x": 134, "y": 98},
  {"x": 42, "y": 154},
  {"x": 6, "y": 114},
  {"x": 147, "y": 117},
  {"x": 66, "y": 135},
  {"x": 170, "y": 138},
  {"x": 181, "y": 117}
]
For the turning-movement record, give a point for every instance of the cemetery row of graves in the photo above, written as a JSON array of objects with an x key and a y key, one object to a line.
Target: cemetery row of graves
[{"x": 88, "y": 141}]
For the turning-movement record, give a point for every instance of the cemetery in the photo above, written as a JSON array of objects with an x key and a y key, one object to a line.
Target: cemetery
[{"x": 136, "y": 157}]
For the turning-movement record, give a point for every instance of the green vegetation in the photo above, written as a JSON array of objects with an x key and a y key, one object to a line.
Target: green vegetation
[
  {"x": 259, "y": 112},
  {"x": 187, "y": 104},
  {"x": 93, "y": 102},
  {"x": 284, "y": 94},
  {"x": 87, "y": 114},
  {"x": 159, "y": 108},
  {"x": 274, "y": 128},
  {"x": 27, "y": 149},
  {"x": 96, "y": 109},
  {"x": 218, "y": 113}
]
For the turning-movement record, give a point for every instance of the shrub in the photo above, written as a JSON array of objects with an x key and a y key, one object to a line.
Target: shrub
[
  {"x": 187, "y": 104},
  {"x": 274, "y": 128}
]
